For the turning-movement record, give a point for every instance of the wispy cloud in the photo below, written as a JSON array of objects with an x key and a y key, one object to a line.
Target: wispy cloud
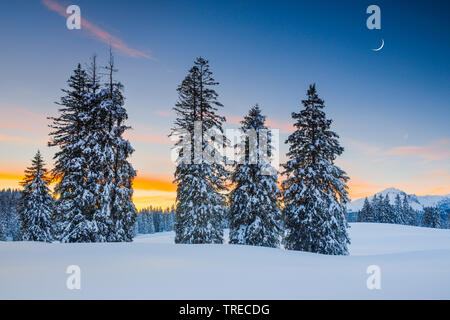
[
  {"x": 98, "y": 33},
  {"x": 163, "y": 113},
  {"x": 436, "y": 150}
]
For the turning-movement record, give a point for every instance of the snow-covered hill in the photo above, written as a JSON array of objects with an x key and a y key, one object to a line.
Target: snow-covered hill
[
  {"x": 416, "y": 202},
  {"x": 414, "y": 264}
]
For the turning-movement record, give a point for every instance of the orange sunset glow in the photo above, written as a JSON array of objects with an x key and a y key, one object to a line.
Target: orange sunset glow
[{"x": 159, "y": 191}]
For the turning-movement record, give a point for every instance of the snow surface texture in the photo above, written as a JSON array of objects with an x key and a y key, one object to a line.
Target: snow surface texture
[
  {"x": 414, "y": 262},
  {"x": 416, "y": 202}
]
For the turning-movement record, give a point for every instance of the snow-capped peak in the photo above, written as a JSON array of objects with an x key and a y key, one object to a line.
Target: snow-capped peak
[{"x": 391, "y": 190}]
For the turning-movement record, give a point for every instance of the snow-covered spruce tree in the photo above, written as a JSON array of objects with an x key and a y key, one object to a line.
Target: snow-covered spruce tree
[
  {"x": 199, "y": 203},
  {"x": 255, "y": 216},
  {"x": 366, "y": 213},
  {"x": 431, "y": 218},
  {"x": 315, "y": 191},
  {"x": 75, "y": 205},
  {"x": 36, "y": 204},
  {"x": 95, "y": 190},
  {"x": 110, "y": 173}
]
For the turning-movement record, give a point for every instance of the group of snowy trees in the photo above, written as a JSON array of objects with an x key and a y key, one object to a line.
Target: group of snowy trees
[
  {"x": 151, "y": 220},
  {"x": 93, "y": 176},
  {"x": 380, "y": 210},
  {"x": 307, "y": 214},
  {"x": 92, "y": 199},
  {"x": 432, "y": 218}
]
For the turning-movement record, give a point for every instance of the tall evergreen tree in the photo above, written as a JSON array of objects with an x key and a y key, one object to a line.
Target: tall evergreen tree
[
  {"x": 76, "y": 203},
  {"x": 95, "y": 177},
  {"x": 36, "y": 205},
  {"x": 315, "y": 191},
  {"x": 254, "y": 213},
  {"x": 200, "y": 203},
  {"x": 110, "y": 174}
]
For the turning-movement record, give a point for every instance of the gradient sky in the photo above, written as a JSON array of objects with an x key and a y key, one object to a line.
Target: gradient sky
[{"x": 390, "y": 108}]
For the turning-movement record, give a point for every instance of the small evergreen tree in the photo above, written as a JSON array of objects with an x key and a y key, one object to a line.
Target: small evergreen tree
[
  {"x": 315, "y": 191},
  {"x": 254, "y": 213},
  {"x": 36, "y": 204}
]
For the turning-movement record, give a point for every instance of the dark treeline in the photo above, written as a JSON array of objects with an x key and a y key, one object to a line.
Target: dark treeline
[
  {"x": 152, "y": 220},
  {"x": 148, "y": 220},
  {"x": 380, "y": 210},
  {"x": 10, "y": 226}
]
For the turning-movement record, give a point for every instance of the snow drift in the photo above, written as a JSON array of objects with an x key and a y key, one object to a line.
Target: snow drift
[{"x": 414, "y": 263}]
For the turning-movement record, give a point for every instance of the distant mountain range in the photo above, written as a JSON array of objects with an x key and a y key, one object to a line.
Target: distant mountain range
[{"x": 416, "y": 202}]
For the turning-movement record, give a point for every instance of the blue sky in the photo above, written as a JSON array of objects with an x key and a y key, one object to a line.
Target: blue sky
[{"x": 391, "y": 107}]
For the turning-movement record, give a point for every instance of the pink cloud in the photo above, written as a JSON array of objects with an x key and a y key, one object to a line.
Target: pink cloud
[
  {"x": 99, "y": 33},
  {"x": 23, "y": 120},
  {"x": 163, "y": 113},
  {"x": 14, "y": 139},
  {"x": 284, "y": 127},
  {"x": 436, "y": 150},
  {"x": 148, "y": 137}
]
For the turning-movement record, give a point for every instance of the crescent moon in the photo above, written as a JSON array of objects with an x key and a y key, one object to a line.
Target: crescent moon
[{"x": 382, "y": 45}]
